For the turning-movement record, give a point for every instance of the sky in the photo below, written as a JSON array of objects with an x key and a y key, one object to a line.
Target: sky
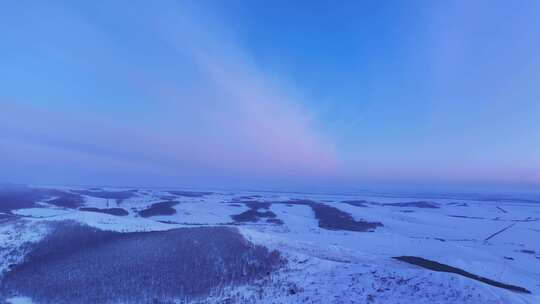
[{"x": 290, "y": 94}]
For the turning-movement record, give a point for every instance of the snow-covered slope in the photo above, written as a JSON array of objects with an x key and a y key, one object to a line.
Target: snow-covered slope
[{"x": 499, "y": 241}]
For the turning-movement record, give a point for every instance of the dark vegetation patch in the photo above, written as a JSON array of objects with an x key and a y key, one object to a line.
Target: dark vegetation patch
[
  {"x": 528, "y": 219},
  {"x": 68, "y": 200},
  {"x": 258, "y": 205},
  {"x": 190, "y": 193},
  {"x": 111, "y": 211},
  {"x": 80, "y": 264},
  {"x": 161, "y": 208},
  {"x": 4, "y": 216},
  {"x": 419, "y": 204},
  {"x": 468, "y": 217},
  {"x": 331, "y": 218},
  {"x": 509, "y": 258},
  {"x": 257, "y": 211},
  {"x": 356, "y": 203},
  {"x": 501, "y": 210},
  {"x": 432, "y": 238},
  {"x": 435, "y": 266},
  {"x": 252, "y": 215},
  {"x": 274, "y": 221},
  {"x": 169, "y": 222},
  {"x": 499, "y": 232},
  {"x": 334, "y": 219},
  {"x": 119, "y": 196},
  {"x": 18, "y": 197},
  {"x": 168, "y": 197},
  {"x": 458, "y": 204},
  {"x": 248, "y": 197}
]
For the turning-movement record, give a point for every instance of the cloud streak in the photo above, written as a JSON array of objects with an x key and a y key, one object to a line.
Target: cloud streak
[
  {"x": 265, "y": 117},
  {"x": 232, "y": 122}
]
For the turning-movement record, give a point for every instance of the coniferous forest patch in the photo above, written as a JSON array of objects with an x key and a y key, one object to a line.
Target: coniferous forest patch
[{"x": 80, "y": 264}]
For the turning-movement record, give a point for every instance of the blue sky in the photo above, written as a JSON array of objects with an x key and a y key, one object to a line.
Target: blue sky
[{"x": 281, "y": 93}]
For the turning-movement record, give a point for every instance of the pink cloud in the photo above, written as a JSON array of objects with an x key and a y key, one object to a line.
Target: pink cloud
[{"x": 239, "y": 124}]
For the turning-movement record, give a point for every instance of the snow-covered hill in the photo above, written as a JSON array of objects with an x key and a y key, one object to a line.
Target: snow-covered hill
[{"x": 338, "y": 249}]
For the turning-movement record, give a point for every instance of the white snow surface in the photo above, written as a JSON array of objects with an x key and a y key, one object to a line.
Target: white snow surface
[{"x": 337, "y": 266}]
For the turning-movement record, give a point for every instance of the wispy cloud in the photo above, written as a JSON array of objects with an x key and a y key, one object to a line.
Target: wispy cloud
[
  {"x": 232, "y": 122},
  {"x": 271, "y": 127}
]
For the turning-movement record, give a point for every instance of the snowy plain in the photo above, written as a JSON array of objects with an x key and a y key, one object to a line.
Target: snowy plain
[{"x": 494, "y": 239}]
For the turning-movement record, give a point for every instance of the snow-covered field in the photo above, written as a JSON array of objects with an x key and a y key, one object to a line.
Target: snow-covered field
[{"x": 326, "y": 263}]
